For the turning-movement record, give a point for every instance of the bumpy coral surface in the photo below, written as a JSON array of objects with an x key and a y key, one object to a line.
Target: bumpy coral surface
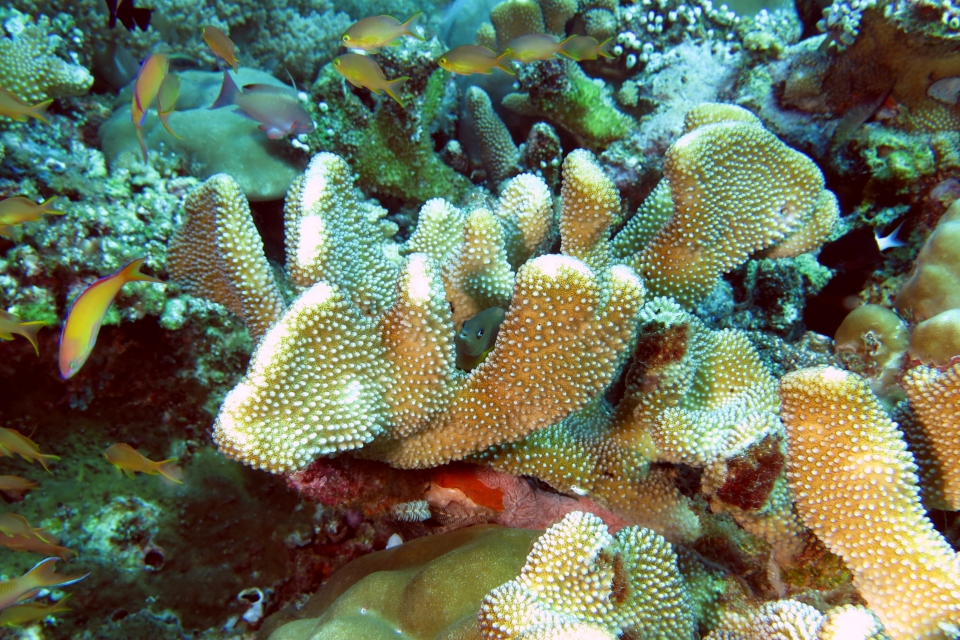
[
  {"x": 734, "y": 189},
  {"x": 856, "y": 488}
]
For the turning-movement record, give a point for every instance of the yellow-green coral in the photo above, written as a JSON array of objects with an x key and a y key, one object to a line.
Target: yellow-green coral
[
  {"x": 335, "y": 372},
  {"x": 794, "y": 620},
  {"x": 735, "y": 190},
  {"x": 579, "y": 577},
  {"x": 30, "y": 68}
]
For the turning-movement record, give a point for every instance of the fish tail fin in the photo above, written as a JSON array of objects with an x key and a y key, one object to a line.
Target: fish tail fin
[
  {"x": 143, "y": 145},
  {"x": 29, "y": 331},
  {"x": 39, "y": 111},
  {"x": 49, "y": 203},
  {"x": 395, "y": 84},
  {"x": 166, "y": 125},
  {"x": 131, "y": 272},
  {"x": 412, "y": 26},
  {"x": 44, "y": 575},
  {"x": 43, "y": 457},
  {"x": 562, "y": 51},
  {"x": 503, "y": 62},
  {"x": 170, "y": 470},
  {"x": 228, "y": 92},
  {"x": 604, "y": 49}
]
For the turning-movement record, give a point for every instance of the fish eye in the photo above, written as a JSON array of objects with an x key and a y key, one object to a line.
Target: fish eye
[
  {"x": 337, "y": 62},
  {"x": 443, "y": 60},
  {"x": 346, "y": 38},
  {"x": 479, "y": 333}
]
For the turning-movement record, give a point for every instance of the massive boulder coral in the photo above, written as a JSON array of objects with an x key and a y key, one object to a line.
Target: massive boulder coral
[
  {"x": 730, "y": 189},
  {"x": 352, "y": 362},
  {"x": 856, "y": 487}
]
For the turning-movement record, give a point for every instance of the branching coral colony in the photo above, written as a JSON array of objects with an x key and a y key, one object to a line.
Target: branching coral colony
[{"x": 601, "y": 383}]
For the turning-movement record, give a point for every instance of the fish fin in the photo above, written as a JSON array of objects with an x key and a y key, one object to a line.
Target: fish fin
[
  {"x": 268, "y": 88},
  {"x": 44, "y": 575},
  {"x": 568, "y": 56},
  {"x": 166, "y": 125},
  {"x": 29, "y": 331},
  {"x": 604, "y": 49},
  {"x": 128, "y": 472},
  {"x": 412, "y": 26},
  {"x": 505, "y": 57},
  {"x": 395, "y": 84},
  {"x": 131, "y": 273},
  {"x": 39, "y": 110},
  {"x": 228, "y": 92},
  {"x": 143, "y": 145},
  {"x": 43, "y": 457},
  {"x": 170, "y": 470},
  {"x": 51, "y": 212}
]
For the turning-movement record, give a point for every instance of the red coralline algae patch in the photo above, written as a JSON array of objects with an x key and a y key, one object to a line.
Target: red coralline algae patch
[
  {"x": 750, "y": 476},
  {"x": 463, "y": 476},
  {"x": 365, "y": 485}
]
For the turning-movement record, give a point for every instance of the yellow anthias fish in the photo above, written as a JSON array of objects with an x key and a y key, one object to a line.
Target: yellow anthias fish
[
  {"x": 370, "y": 34},
  {"x": 131, "y": 462},
  {"x": 17, "y": 534},
  {"x": 535, "y": 46},
  {"x": 364, "y": 73},
  {"x": 221, "y": 45},
  {"x": 21, "y": 614},
  {"x": 18, "y": 210},
  {"x": 579, "y": 48},
  {"x": 11, "y": 324},
  {"x": 80, "y": 331},
  {"x": 15, "y": 486},
  {"x": 42, "y": 576},
  {"x": 473, "y": 58},
  {"x": 15, "y": 443},
  {"x": 167, "y": 100},
  {"x": 13, "y": 107},
  {"x": 477, "y": 337},
  {"x": 146, "y": 88}
]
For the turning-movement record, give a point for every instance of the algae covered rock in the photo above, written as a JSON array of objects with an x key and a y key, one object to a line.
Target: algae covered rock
[{"x": 212, "y": 141}]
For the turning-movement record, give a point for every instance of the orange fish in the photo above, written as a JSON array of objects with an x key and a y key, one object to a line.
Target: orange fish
[
  {"x": 17, "y": 534},
  {"x": 364, "y": 73},
  {"x": 13, "y": 442},
  {"x": 585, "y": 48},
  {"x": 221, "y": 45},
  {"x": 42, "y": 576},
  {"x": 535, "y": 46},
  {"x": 18, "y": 210},
  {"x": 80, "y": 331},
  {"x": 473, "y": 58},
  {"x": 15, "y": 486},
  {"x": 145, "y": 90},
  {"x": 11, "y": 324},
  {"x": 21, "y": 614},
  {"x": 13, "y": 107},
  {"x": 370, "y": 34},
  {"x": 131, "y": 461}
]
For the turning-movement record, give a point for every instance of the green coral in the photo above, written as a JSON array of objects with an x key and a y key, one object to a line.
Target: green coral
[
  {"x": 559, "y": 91},
  {"x": 389, "y": 146}
]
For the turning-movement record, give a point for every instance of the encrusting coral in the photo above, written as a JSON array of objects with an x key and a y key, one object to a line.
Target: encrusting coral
[
  {"x": 855, "y": 485},
  {"x": 218, "y": 254},
  {"x": 581, "y": 582},
  {"x": 325, "y": 350},
  {"x": 733, "y": 189}
]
